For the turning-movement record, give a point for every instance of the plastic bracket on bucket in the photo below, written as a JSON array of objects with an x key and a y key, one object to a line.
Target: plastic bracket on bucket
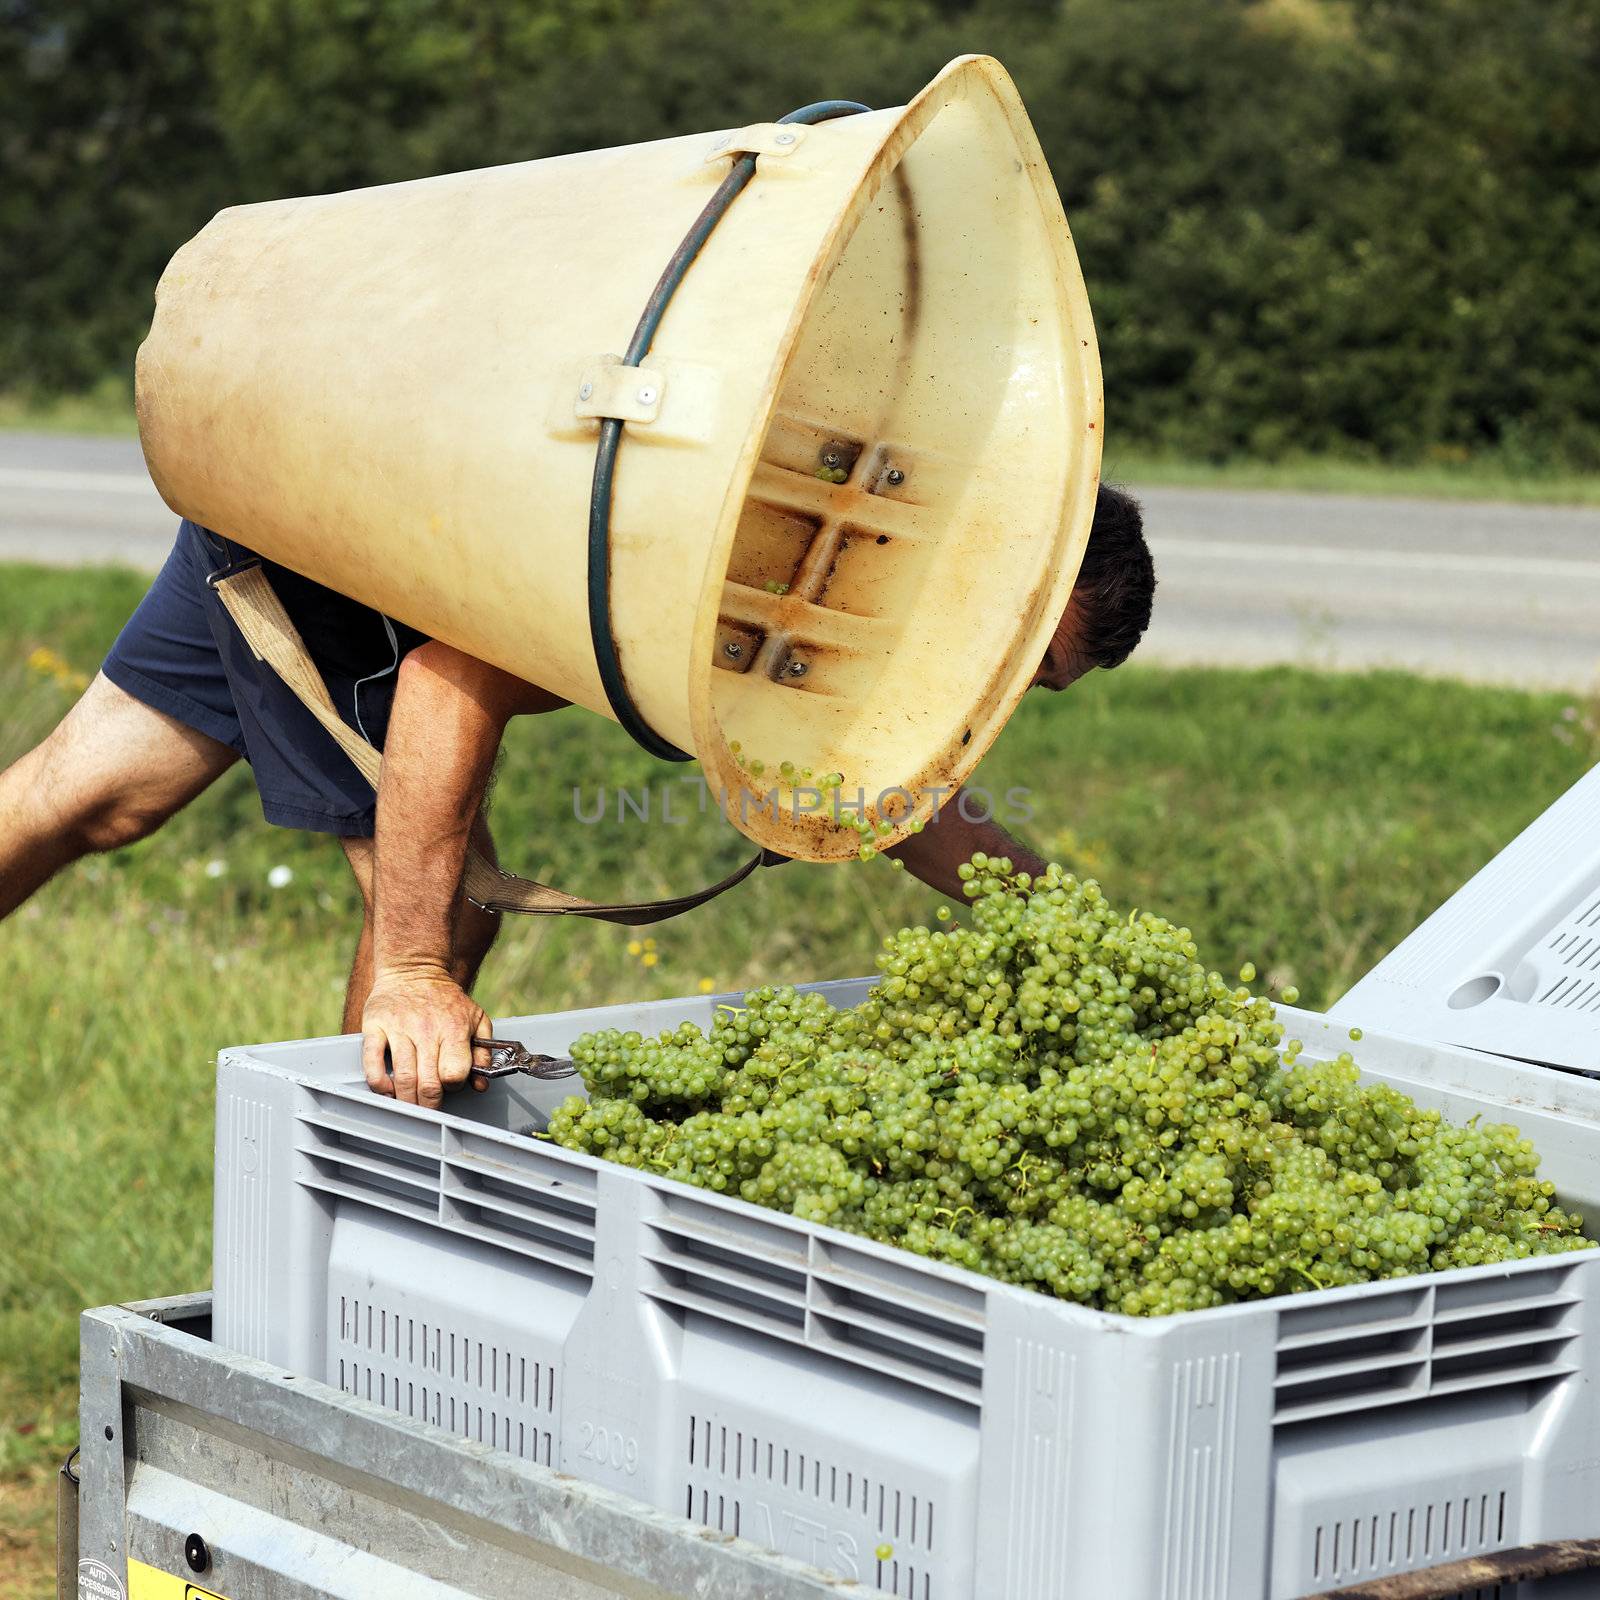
[
  {"x": 759, "y": 139},
  {"x": 630, "y": 394},
  {"x": 685, "y": 409}
]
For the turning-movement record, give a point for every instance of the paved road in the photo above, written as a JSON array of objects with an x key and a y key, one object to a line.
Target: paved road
[
  {"x": 1490, "y": 592},
  {"x": 1497, "y": 593}
]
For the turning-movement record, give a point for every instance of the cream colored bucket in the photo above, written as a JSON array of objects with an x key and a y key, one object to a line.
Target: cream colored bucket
[{"x": 397, "y": 392}]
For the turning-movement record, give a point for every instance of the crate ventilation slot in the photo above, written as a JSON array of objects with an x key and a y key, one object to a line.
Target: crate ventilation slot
[
  {"x": 348, "y": 1157},
  {"x": 735, "y": 1475},
  {"x": 1346, "y": 1550},
  {"x": 766, "y": 1280},
  {"x": 514, "y": 1195},
  {"x": 471, "y": 1387},
  {"x": 1421, "y": 1344},
  {"x": 1573, "y": 951}
]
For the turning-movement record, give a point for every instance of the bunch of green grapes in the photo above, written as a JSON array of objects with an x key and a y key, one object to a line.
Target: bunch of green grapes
[{"x": 1066, "y": 1098}]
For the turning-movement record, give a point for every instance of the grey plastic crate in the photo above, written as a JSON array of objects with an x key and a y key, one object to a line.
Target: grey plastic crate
[
  {"x": 1511, "y": 961},
  {"x": 824, "y": 1395}
]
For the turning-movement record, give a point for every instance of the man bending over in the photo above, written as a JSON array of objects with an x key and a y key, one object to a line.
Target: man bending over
[{"x": 450, "y": 712}]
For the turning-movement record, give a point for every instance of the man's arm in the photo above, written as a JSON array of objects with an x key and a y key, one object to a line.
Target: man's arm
[
  {"x": 449, "y": 714},
  {"x": 949, "y": 839}
]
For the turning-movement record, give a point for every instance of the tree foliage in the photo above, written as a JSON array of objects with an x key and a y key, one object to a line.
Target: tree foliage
[{"x": 1358, "y": 226}]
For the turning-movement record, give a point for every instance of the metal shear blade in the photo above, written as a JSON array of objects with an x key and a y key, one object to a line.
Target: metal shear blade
[{"x": 507, "y": 1056}]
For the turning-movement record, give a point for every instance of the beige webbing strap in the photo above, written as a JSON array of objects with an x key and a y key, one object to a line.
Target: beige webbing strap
[
  {"x": 248, "y": 595},
  {"x": 259, "y": 615}
]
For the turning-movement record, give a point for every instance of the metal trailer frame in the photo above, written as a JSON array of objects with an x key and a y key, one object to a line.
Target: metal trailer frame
[
  {"x": 228, "y": 1478},
  {"x": 273, "y": 1482}
]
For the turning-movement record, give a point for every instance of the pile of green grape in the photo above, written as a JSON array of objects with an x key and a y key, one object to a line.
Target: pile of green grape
[{"x": 1063, "y": 1097}]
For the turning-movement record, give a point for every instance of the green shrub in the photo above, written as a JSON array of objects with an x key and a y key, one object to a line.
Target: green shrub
[{"x": 1358, "y": 227}]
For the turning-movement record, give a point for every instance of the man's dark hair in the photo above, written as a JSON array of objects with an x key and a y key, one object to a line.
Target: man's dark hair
[{"x": 1116, "y": 584}]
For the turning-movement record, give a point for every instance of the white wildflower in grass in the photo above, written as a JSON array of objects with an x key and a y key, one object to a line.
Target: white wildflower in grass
[
  {"x": 216, "y": 868},
  {"x": 280, "y": 877}
]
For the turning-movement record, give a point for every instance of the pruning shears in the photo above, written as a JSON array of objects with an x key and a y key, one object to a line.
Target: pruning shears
[{"x": 507, "y": 1056}]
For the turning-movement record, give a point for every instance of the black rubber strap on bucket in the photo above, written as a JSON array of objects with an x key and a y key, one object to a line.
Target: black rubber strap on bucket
[{"x": 605, "y": 461}]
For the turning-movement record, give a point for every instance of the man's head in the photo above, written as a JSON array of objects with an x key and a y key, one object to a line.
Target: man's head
[{"x": 1110, "y": 605}]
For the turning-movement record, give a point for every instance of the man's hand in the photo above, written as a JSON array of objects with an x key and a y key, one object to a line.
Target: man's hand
[{"x": 424, "y": 1022}]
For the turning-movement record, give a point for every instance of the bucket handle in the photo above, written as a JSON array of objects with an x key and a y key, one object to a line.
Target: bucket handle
[{"x": 605, "y": 460}]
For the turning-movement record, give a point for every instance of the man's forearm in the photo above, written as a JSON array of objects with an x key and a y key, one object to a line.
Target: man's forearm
[
  {"x": 936, "y": 854},
  {"x": 419, "y": 1023},
  {"x": 444, "y": 733}
]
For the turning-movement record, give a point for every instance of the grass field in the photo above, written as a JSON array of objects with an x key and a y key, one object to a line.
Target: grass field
[
  {"x": 1303, "y": 821},
  {"x": 107, "y": 408},
  {"x": 1477, "y": 478}
]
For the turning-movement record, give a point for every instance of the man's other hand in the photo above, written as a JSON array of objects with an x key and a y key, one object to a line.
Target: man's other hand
[{"x": 416, "y": 1036}]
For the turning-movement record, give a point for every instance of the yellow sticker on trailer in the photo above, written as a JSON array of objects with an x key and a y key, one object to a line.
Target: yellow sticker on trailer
[{"x": 146, "y": 1583}]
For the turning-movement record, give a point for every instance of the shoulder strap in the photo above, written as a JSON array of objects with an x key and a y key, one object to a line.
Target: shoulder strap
[{"x": 248, "y": 595}]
